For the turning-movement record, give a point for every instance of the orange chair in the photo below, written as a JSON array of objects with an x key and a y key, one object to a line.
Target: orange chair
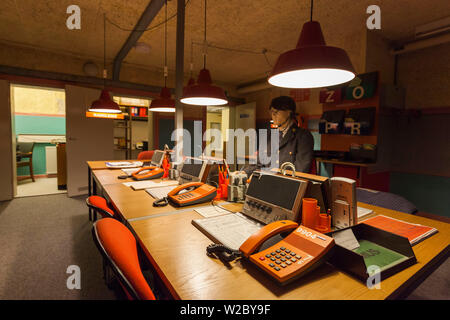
[
  {"x": 146, "y": 155},
  {"x": 98, "y": 204},
  {"x": 118, "y": 246}
]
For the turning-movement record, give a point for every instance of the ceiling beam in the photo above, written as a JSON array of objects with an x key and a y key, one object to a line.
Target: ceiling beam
[
  {"x": 144, "y": 21},
  {"x": 75, "y": 79}
]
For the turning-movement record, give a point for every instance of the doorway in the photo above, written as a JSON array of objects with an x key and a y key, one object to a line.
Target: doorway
[{"x": 39, "y": 128}]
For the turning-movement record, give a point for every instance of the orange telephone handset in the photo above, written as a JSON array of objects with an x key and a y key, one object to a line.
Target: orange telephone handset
[
  {"x": 200, "y": 193},
  {"x": 301, "y": 251},
  {"x": 147, "y": 173}
]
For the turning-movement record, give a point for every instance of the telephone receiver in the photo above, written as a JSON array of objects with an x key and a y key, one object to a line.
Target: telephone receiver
[
  {"x": 147, "y": 173},
  {"x": 196, "y": 192},
  {"x": 302, "y": 251}
]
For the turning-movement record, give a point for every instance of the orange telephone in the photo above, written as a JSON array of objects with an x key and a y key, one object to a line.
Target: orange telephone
[
  {"x": 301, "y": 251},
  {"x": 147, "y": 173},
  {"x": 298, "y": 253},
  {"x": 196, "y": 192}
]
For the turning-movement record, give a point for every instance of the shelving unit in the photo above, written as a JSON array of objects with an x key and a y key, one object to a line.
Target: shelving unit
[{"x": 123, "y": 129}]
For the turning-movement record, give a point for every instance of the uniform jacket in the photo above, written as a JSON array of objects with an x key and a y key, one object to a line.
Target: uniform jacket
[{"x": 296, "y": 147}]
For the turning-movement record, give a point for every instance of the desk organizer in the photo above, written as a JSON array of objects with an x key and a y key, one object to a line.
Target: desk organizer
[{"x": 392, "y": 253}]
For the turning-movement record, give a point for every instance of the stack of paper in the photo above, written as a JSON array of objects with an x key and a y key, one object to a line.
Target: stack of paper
[
  {"x": 414, "y": 232},
  {"x": 362, "y": 212},
  {"x": 147, "y": 184},
  {"x": 124, "y": 164},
  {"x": 129, "y": 172},
  {"x": 230, "y": 229},
  {"x": 211, "y": 211},
  {"x": 159, "y": 193}
]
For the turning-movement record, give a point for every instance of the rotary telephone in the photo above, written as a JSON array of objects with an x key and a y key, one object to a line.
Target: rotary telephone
[
  {"x": 300, "y": 252},
  {"x": 195, "y": 192},
  {"x": 147, "y": 173}
]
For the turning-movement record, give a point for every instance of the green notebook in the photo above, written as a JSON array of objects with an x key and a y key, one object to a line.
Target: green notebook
[{"x": 375, "y": 255}]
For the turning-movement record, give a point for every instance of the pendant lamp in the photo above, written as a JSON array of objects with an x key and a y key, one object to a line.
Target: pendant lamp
[
  {"x": 164, "y": 103},
  {"x": 204, "y": 93},
  {"x": 104, "y": 104},
  {"x": 312, "y": 64}
]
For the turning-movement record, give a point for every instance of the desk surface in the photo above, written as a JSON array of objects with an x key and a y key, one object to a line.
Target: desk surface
[
  {"x": 196, "y": 276},
  {"x": 99, "y": 165},
  {"x": 109, "y": 176},
  {"x": 167, "y": 236}
]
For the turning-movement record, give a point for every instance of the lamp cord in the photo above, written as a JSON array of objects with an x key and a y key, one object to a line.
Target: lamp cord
[
  {"x": 204, "y": 42},
  {"x": 312, "y": 5},
  {"x": 165, "y": 47},
  {"x": 104, "y": 50}
]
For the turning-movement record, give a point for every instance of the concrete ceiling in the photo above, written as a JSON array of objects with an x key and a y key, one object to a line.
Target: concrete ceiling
[{"x": 240, "y": 24}]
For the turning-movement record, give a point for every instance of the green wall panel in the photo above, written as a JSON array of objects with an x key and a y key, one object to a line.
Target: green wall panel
[{"x": 26, "y": 124}]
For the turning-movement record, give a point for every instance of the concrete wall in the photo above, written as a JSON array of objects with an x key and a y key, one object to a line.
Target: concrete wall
[{"x": 426, "y": 76}]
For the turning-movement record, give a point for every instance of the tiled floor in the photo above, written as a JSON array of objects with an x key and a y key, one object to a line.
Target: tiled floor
[{"x": 42, "y": 186}]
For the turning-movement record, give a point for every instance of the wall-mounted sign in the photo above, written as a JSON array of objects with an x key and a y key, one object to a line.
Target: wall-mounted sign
[
  {"x": 363, "y": 86},
  {"x": 102, "y": 115},
  {"x": 330, "y": 96}
]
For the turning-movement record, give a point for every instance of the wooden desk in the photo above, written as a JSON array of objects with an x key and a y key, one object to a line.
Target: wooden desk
[
  {"x": 92, "y": 183},
  {"x": 177, "y": 250},
  {"x": 138, "y": 205},
  {"x": 109, "y": 176}
]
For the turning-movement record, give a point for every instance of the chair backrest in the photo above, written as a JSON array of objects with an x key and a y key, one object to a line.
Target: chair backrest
[
  {"x": 146, "y": 155},
  {"x": 25, "y": 147},
  {"x": 99, "y": 204},
  {"x": 118, "y": 245}
]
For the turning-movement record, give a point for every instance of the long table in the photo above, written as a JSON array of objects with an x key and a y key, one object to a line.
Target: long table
[{"x": 177, "y": 251}]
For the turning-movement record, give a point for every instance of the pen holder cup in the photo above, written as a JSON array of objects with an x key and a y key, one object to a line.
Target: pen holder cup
[
  {"x": 324, "y": 223},
  {"x": 309, "y": 212}
]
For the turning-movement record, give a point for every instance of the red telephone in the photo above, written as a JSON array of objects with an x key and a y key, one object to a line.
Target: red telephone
[
  {"x": 301, "y": 251},
  {"x": 197, "y": 192},
  {"x": 147, "y": 173}
]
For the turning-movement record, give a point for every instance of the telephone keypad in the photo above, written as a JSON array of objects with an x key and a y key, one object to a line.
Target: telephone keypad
[{"x": 282, "y": 259}]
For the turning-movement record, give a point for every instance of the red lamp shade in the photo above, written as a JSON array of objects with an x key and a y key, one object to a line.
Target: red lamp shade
[
  {"x": 204, "y": 93},
  {"x": 105, "y": 104},
  {"x": 191, "y": 82},
  {"x": 312, "y": 64},
  {"x": 164, "y": 103}
]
